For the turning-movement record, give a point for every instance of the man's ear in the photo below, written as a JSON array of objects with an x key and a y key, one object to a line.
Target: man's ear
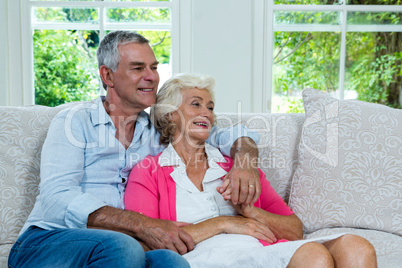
[{"x": 106, "y": 75}]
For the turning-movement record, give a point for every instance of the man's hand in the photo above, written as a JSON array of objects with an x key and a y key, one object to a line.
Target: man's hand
[
  {"x": 154, "y": 233},
  {"x": 162, "y": 234},
  {"x": 242, "y": 183}
]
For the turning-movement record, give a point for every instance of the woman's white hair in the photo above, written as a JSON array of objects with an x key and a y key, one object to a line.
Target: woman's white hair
[{"x": 169, "y": 98}]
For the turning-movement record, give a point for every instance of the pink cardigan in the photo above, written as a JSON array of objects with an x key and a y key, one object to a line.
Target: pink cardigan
[{"x": 152, "y": 191}]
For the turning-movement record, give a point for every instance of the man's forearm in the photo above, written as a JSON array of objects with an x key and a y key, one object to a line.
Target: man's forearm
[
  {"x": 244, "y": 152},
  {"x": 155, "y": 233},
  {"x": 110, "y": 218}
]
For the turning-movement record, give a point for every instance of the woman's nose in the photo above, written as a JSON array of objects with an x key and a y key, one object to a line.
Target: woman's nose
[{"x": 206, "y": 112}]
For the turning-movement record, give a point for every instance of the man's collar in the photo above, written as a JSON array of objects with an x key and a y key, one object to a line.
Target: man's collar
[{"x": 100, "y": 116}]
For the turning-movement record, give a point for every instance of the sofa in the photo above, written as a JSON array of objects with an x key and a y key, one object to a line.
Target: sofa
[{"x": 338, "y": 166}]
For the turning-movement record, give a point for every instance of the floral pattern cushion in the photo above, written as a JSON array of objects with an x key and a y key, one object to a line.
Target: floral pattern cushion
[
  {"x": 350, "y": 165},
  {"x": 22, "y": 133},
  {"x": 279, "y": 136}
]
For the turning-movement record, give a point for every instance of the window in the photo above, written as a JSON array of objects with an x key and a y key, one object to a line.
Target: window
[
  {"x": 66, "y": 34},
  {"x": 351, "y": 49}
]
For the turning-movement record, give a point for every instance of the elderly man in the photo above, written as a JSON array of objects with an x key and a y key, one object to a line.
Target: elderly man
[{"x": 79, "y": 219}]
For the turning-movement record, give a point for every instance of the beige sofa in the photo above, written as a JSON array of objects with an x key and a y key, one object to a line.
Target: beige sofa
[{"x": 339, "y": 166}]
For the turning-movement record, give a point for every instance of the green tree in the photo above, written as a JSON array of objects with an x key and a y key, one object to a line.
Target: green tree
[
  {"x": 311, "y": 59},
  {"x": 64, "y": 70},
  {"x": 65, "y": 64}
]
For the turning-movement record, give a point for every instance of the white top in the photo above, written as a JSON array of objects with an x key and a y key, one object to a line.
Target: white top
[{"x": 192, "y": 205}]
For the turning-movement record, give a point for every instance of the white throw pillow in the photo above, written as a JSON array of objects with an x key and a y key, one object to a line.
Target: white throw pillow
[{"x": 350, "y": 165}]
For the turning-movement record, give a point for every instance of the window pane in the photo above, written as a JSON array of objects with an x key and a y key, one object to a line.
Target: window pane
[
  {"x": 139, "y": 15},
  {"x": 373, "y": 2},
  {"x": 373, "y": 67},
  {"x": 304, "y": 59},
  {"x": 303, "y": 17},
  {"x": 307, "y": 2},
  {"x": 135, "y": 0},
  {"x": 65, "y": 66},
  {"x": 161, "y": 44},
  {"x": 62, "y": 15},
  {"x": 109, "y": 0},
  {"x": 369, "y": 18}
]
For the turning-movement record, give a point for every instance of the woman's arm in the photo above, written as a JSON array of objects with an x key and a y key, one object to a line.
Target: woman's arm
[
  {"x": 274, "y": 213},
  {"x": 229, "y": 225},
  {"x": 283, "y": 227}
]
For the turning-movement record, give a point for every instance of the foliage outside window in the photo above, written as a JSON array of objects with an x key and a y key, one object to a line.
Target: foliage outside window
[
  {"x": 65, "y": 40},
  {"x": 308, "y": 54}
]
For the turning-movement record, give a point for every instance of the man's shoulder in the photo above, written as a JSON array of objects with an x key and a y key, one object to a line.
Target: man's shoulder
[
  {"x": 77, "y": 108},
  {"x": 81, "y": 114}
]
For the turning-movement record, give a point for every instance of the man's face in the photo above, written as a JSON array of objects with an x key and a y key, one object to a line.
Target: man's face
[{"x": 136, "y": 79}]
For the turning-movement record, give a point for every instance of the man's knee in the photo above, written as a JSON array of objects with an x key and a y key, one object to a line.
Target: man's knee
[
  {"x": 120, "y": 250},
  {"x": 165, "y": 258}
]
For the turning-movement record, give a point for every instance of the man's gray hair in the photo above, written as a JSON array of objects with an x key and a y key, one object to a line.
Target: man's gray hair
[{"x": 108, "y": 52}]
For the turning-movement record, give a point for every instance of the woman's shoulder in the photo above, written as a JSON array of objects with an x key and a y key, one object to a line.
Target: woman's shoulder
[{"x": 148, "y": 161}]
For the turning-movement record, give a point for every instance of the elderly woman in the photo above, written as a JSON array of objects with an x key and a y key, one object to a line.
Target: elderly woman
[{"x": 183, "y": 184}]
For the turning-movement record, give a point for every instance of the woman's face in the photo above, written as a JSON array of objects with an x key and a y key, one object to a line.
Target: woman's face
[{"x": 195, "y": 117}]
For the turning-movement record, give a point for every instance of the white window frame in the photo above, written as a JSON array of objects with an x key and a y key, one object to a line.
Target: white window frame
[
  {"x": 20, "y": 59},
  {"x": 270, "y": 29}
]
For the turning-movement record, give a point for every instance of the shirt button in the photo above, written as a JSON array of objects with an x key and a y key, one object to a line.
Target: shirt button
[
  {"x": 209, "y": 198},
  {"x": 213, "y": 209}
]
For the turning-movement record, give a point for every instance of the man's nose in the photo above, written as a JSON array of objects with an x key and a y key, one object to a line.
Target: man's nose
[{"x": 151, "y": 74}]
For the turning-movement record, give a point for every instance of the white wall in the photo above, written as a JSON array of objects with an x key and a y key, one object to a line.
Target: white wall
[
  {"x": 223, "y": 44},
  {"x": 3, "y": 53}
]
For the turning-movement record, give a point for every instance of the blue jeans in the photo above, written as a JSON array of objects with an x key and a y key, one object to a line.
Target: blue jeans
[{"x": 86, "y": 248}]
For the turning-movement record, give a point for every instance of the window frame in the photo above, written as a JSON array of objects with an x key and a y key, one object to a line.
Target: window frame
[
  {"x": 343, "y": 28},
  {"x": 27, "y": 28}
]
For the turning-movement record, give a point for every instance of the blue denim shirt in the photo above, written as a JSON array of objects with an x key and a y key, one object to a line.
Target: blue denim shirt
[{"x": 84, "y": 167}]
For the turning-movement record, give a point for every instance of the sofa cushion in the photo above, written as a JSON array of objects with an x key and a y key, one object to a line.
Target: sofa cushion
[
  {"x": 350, "y": 165},
  {"x": 279, "y": 136},
  {"x": 22, "y": 133}
]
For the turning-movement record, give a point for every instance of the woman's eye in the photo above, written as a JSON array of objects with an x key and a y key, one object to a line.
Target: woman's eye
[
  {"x": 211, "y": 109},
  {"x": 195, "y": 104}
]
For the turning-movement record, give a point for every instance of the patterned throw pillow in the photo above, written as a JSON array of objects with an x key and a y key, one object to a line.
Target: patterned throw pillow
[{"x": 350, "y": 165}]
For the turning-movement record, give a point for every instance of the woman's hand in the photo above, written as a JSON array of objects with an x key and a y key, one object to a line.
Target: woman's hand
[{"x": 247, "y": 226}]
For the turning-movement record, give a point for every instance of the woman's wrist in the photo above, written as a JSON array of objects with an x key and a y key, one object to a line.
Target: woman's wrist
[
  {"x": 222, "y": 222},
  {"x": 250, "y": 212}
]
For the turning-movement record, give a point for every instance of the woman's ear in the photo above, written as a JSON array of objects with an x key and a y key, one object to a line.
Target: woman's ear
[{"x": 106, "y": 75}]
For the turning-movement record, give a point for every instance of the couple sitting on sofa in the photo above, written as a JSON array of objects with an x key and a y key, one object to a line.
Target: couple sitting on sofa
[{"x": 78, "y": 210}]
